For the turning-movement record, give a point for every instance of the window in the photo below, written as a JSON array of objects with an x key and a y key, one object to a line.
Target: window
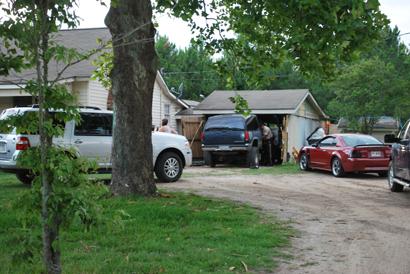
[
  {"x": 93, "y": 124},
  {"x": 328, "y": 142},
  {"x": 167, "y": 113},
  {"x": 403, "y": 130},
  {"x": 252, "y": 123}
]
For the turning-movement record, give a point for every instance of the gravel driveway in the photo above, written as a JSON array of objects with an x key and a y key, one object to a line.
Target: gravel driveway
[{"x": 348, "y": 225}]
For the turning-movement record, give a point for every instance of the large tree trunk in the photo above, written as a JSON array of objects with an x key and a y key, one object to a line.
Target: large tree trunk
[{"x": 133, "y": 77}]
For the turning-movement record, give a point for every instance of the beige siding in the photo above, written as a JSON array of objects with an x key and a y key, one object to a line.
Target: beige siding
[
  {"x": 12, "y": 93},
  {"x": 310, "y": 112},
  {"x": 98, "y": 95},
  {"x": 82, "y": 89},
  {"x": 174, "y": 108},
  {"x": 5, "y": 102},
  {"x": 156, "y": 105}
]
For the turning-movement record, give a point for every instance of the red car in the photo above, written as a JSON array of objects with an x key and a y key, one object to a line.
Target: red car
[{"x": 346, "y": 152}]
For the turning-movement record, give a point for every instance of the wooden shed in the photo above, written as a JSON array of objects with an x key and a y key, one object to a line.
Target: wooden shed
[{"x": 297, "y": 110}]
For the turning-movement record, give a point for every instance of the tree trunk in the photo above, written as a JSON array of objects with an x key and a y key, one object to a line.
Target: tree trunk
[{"x": 133, "y": 77}]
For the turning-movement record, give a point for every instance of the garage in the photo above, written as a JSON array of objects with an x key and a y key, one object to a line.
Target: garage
[{"x": 295, "y": 112}]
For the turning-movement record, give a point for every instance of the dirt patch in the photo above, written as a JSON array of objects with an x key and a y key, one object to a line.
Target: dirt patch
[{"x": 348, "y": 225}]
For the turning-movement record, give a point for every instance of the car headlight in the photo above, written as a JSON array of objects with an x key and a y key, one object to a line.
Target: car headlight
[{"x": 186, "y": 144}]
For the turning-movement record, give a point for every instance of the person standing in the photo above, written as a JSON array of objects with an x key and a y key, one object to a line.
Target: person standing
[
  {"x": 266, "y": 145},
  {"x": 165, "y": 128}
]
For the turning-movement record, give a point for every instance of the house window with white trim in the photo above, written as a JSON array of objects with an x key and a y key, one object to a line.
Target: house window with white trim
[{"x": 166, "y": 113}]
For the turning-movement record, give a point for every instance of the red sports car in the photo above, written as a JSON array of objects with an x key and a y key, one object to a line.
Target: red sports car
[{"x": 346, "y": 152}]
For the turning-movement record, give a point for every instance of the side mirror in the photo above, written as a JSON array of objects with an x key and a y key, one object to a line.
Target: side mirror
[{"x": 391, "y": 138}]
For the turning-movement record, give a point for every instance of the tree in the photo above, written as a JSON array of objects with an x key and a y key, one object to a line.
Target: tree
[
  {"x": 28, "y": 31},
  {"x": 312, "y": 34},
  {"x": 133, "y": 78},
  {"x": 365, "y": 92}
]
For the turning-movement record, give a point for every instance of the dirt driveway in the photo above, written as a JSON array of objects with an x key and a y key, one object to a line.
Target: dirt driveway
[{"x": 348, "y": 225}]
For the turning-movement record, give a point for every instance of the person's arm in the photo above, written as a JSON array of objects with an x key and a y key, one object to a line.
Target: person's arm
[{"x": 173, "y": 131}]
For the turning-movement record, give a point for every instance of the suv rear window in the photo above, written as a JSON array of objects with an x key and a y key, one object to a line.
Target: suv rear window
[
  {"x": 225, "y": 122},
  {"x": 93, "y": 124}
]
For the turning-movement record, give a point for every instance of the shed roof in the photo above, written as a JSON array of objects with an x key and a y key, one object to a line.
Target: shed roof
[
  {"x": 259, "y": 101},
  {"x": 83, "y": 40}
]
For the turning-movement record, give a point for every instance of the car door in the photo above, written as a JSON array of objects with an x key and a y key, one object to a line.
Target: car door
[
  {"x": 402, "y": 157},
  {"x": 93, "y": 137},
  {"x": 320, "y": 154}
]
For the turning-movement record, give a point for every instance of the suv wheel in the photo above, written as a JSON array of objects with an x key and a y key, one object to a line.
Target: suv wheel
[
  {"x": 252, "y": 158},
  {"x": 394, "y": 187},
  {"x": 337, "y": 168},
  {"x": 168, "y": 167},
  {"x": 303, "y": 162},
  {"x": 26, "y": 178},
  {"x": 208, "y": 159}
]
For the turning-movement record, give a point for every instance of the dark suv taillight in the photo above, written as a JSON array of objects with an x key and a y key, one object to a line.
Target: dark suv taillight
[
  {"x": 246, "y": 136},
  {"x": 22, "y": 143},
  {"x": 202, "y": 137},
  {"x": 355, "y": 154}
]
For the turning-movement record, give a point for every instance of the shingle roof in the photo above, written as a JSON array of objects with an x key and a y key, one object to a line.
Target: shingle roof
[
  {"x": 82, "y": 39},
  {"x": 257, "y": 99}
]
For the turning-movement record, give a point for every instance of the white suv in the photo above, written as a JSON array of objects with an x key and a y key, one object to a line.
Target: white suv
[{"x": 93, "y": 138}]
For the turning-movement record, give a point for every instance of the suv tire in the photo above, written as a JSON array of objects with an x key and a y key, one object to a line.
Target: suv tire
[
  {"x": 337, "y": 168},
  {"x": 208, "y": 159},
  {"x": 394, "y": 187},
  {"x": 25, "y": 178},
  {"x": 168, "y": 167},
  {"x": 252, "y": 158}
]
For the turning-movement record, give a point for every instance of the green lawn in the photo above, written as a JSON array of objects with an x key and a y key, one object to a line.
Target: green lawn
[{"x": 172, "y": 233}]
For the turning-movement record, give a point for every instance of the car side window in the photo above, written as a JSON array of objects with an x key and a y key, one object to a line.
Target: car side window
[
  {"x": 92, "y": 124},
  {"x": 108, "y": 122},
  {"x": 407, "y": 130},
  {"x": 334, "y": 143},
  {"x": 403, "y": 131},
  {"x": 252, "y": 124},
  {"x": 328, "y": 142}
]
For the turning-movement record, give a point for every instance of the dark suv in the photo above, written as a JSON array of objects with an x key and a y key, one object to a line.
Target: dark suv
[
  {"x": 399, "y": 165},
  {"x": 232, "y": 138}
]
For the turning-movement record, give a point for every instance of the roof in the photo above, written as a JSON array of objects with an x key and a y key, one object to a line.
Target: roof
[
  {"x": 164, "y": 87},
  {"x": 191, "y": 103},
  {"x": 383, "y": 122},
  {"x": 259, "y": 101},
  {"x": 81, "y": 39}
]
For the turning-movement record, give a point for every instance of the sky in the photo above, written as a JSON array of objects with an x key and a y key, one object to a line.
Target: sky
[{"x": 179, "y": 33}]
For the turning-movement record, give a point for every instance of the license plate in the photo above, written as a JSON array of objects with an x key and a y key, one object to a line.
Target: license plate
[
  {"x": 3, "y": 148},
  {"x": 376, "y": 153},
  {"x": 224, "y": 148}
]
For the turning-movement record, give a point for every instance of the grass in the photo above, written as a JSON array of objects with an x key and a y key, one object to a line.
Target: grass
[{"x": 172, "y": 233}]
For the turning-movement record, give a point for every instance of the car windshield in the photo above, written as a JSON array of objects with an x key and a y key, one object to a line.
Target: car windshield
[
  {"x": 225, "y": 123},
  {"x": 357, "y": 140}
]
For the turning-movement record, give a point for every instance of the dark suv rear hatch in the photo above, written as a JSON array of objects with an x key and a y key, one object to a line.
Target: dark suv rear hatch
[{"x": 221, "y": 130}]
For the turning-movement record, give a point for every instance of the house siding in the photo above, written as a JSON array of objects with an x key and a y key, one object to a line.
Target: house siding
[
  {"x": 156, "y": 105},
  {"x": 82, "y": 89},
  {"x": 97, "y": 95},
  {"x": 173, "y": 109}
]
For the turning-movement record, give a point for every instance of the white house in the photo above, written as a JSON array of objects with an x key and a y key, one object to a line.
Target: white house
[{"x": 78, "y": 78}]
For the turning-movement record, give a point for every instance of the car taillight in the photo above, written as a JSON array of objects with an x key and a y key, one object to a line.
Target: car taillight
[
  {"x": 246, "y": 136},
  {"x": 22, "y": 143},
  {"x": 202, "y": 137},
  {"x": 355, "y": 154}
]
